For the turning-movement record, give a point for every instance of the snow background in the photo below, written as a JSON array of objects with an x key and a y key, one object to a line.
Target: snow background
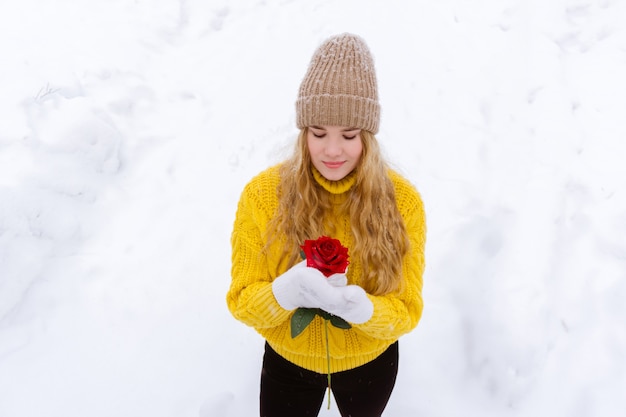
[{"x": 129, "y": 128}]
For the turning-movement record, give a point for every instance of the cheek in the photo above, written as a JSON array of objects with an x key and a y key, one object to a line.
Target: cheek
[
  {"x": 310, "y": 145},
  {"x": 356, "y": 150}
]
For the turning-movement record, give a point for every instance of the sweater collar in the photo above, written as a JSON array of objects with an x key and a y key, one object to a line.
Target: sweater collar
[{"x": 335, "y": 187}]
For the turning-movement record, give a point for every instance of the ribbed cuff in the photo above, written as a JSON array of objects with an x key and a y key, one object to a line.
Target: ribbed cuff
[
  {"x": 283, "y": 293},
  {"x": 338, "y": 110}
]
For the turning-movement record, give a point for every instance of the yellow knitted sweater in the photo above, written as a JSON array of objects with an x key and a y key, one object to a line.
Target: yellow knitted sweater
[{"x": 250, "y": 298}]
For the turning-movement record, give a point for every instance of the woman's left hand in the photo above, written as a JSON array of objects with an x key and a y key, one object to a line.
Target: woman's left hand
[{"x": 355, "y": 306}]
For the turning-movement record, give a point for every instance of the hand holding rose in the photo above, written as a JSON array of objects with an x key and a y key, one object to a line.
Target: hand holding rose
[
  {"x": 301, "y": 286},
  {"x": 306, "y": 287},
  {"x": 355, "y": 306}
]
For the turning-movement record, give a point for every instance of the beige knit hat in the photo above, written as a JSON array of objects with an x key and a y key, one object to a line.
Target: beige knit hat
[{"x": 339, "y": 88}]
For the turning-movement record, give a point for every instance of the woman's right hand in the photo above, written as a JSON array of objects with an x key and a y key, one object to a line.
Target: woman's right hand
[{"x": 302, "y": 286}]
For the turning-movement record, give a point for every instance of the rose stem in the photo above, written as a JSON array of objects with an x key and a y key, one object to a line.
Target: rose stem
[{"x": 327, "y": 359}]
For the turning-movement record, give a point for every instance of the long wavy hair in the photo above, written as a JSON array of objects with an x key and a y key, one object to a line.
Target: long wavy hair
[{"x": 380, "y": 237}]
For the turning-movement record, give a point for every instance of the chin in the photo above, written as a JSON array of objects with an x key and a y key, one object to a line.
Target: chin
[{"x": 336, "y": 177}]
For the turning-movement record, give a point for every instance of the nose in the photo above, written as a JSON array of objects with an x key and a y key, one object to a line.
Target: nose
[{"x": 333, "y": 147}]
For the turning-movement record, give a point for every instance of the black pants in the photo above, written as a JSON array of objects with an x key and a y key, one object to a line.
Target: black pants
[{"x": 288, "y": 390}]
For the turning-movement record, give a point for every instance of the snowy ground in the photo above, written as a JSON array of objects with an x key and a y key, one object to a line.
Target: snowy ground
[{"x": 128, "y": 129}]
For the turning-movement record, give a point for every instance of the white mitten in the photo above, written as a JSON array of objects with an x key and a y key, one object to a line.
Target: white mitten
[
  {"x": 301, "y": 286},
  {"x": 338, "y": 280},
  {"x": 355, "y": 307}
]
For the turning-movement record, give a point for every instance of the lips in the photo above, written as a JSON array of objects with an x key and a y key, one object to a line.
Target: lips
[{"x": 333, "y": 165}]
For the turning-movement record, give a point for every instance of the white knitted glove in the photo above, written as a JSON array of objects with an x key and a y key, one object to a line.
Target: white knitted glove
[
  {"x": 355, "y": 306},
  {"x": 301, "y": 286},
  {"x": 338, "y": 280}
]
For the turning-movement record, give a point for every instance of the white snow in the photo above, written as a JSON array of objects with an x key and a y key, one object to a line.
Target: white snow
[{"x": 128, "y": 129}]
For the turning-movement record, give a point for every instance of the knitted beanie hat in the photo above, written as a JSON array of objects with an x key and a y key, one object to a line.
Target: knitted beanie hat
[{"x": 339, "y": 88}]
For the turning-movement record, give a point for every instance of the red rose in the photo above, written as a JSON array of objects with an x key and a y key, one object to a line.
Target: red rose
[{"x": 326, "y": 255}]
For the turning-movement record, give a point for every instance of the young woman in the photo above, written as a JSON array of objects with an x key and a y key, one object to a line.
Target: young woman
[{"x": 336, "y": 184}]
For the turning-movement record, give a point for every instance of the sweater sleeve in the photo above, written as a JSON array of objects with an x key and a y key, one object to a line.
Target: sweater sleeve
[
  {"x": 398, "y": 313},
  {"x": 250, "y": 298}
]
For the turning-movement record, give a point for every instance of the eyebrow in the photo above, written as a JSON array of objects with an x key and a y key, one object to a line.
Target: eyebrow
[{"x": 349, "y": 129}]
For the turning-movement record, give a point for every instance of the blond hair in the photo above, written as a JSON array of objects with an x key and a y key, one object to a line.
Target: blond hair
[{"x": 380, "y": 237}]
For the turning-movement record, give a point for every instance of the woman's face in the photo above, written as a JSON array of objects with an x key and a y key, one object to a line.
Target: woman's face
[{"x": 335, "y": 150}]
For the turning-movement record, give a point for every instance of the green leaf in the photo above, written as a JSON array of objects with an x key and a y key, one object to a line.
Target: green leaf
[
  {"x": 339, "y": 322},
  {"x": 300, "y": 319},
  {"x": 323, "y": 314}
]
